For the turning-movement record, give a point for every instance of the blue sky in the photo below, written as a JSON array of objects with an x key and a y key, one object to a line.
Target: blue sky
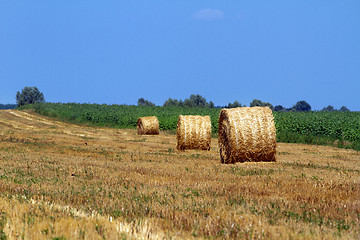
[{"x": 115, "y": 52}]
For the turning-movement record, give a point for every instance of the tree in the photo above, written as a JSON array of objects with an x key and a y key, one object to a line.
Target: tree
[
  {"x": 344, "y": 109},
  {"x": 234, "y": 105},
  {"x": 29, "y": 95},
  {"x": 279, "y": 108},
  {"x": 256, "y": 103},
  {"x": 171, "y": 103},
  {"x": 143, "y": 102},
  {"x": 301, "y": 106},
  {"x": 259, "y": 103},
  {"x": 211, "y": 104},
  {"x": 195, "y": 101},
  {"x": 328, "y": 109}
]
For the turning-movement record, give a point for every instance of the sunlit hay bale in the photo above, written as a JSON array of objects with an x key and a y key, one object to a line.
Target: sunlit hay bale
[
  {"x": 193, "y": 132},
  {"x": 247, "y": 134},
  {"x": 148, "y": 126}
]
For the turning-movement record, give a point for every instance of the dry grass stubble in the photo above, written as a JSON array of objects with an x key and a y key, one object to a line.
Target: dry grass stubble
[{"x": 310, "y": 192}]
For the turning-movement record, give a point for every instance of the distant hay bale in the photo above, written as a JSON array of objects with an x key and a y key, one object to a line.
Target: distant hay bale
[
  {"x": 193, "y": 132},
  {"x": 247, "y": 134},
  {"x": 148, "y": 126}
]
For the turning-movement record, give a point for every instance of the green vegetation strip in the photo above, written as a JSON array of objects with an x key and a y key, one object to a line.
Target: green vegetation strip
[{"x": 341, "y": 129}]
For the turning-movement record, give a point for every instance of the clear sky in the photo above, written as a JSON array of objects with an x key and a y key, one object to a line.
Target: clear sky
[{"x": 114, "y": 52}]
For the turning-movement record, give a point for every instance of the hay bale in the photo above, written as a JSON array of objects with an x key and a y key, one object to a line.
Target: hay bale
[
  {"x": 193, "y": 132},
  {"x": 247, "y": 134},
  {"x": 148, "y": 126}
]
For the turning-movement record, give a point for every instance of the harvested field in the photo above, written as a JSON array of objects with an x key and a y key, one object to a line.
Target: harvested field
[{"x": 59, "y": 180}]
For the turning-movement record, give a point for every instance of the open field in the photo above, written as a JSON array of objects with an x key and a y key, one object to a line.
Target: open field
[
  {"x": 64, "y": 181},
  {"x": 340, "y": 129}
]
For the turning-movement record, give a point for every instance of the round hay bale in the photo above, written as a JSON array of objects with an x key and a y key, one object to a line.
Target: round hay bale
[
  {"x": 148, "y": 126},
  {"x": 193, "y": 132},
  {"x": 247, "y": 134}
]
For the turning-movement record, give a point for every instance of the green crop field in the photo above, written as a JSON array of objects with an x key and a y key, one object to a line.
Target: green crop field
[{"x": 326, "y": 128}]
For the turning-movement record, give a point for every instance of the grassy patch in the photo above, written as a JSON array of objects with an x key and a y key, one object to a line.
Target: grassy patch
[{"x": 317, "y": 166}]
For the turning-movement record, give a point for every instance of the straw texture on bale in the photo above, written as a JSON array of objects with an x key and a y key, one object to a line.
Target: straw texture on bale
[
  {"x": 247, "y": 135},
  {"x": 193, "y": 132},
  {"x": 148, "y": 126}
]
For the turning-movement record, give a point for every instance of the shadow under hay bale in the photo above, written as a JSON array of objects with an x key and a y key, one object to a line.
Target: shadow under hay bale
[
  {"x": 247, "y": 135},
  {"x": 148, "y": 126},
  {"x": 193, "y": 132}
]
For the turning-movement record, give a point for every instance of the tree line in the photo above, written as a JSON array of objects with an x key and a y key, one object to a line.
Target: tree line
[
  {"x": 30, "y": 95},
  {"x": 7, "y": 106},
  {"x": 196, "y": 100}
]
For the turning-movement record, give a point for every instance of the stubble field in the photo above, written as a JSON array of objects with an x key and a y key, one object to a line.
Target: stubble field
[{"x": 65, "y": 181}]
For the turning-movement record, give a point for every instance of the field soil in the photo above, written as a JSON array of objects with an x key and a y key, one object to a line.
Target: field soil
[{"x": 65, "y": 181}]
